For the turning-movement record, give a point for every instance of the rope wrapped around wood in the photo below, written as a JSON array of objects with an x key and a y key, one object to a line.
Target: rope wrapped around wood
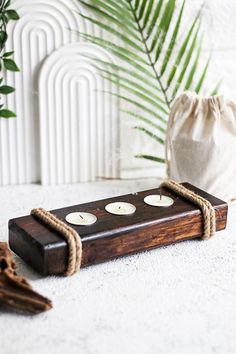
[
  {"x": 74, "y": 241},
  {"x": 207, "y": 209},
  {"x": 70, "y": 235}
]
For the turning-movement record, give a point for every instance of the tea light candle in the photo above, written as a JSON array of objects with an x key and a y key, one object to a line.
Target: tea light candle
[
  {"x": 79, "y": 218},
  {"x": 120, "y": 208},
  {"x": 158, "y": 200}
]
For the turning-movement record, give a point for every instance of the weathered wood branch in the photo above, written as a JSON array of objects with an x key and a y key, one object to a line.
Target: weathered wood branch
[{"x": 15, "y": 291}]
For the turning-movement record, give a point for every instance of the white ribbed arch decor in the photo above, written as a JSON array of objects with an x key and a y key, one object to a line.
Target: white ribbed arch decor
[
  {"x": 43, "y": 28},
  {"x": 79, "y": 124}
]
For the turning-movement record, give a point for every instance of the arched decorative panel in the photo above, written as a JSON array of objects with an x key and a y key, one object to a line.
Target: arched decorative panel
[
  {"x": 79, "y": 125},
  {"x": 43, "y": 27}
]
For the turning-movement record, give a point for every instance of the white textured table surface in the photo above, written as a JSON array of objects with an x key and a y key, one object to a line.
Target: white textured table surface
[{"x": 176, "y": 299}]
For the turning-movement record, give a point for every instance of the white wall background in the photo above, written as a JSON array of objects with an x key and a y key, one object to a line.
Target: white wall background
[{"x": 19, "y": 139}]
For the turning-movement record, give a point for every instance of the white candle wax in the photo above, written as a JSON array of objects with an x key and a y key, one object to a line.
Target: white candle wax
[
  {"x": 120, "y": 208},
  {"x": 80, "y": 218},
  {"x": 158, "y": 200}
]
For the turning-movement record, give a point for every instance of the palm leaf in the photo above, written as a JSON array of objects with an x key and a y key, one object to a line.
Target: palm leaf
[
  {"x": 142, "y": 9},
  {"x": 216, "y": 89},
  {"x": 144, "y": 119},
  {"x": 172, "y": 41},
  {"x": 181, "y": 52},
  {"x": 136, "y": 5},
  {"x": 164, "y": 26},
  {"x": 154, "y": 18},
  {"x": 151, "y": 158},
  {"x": 131, "y": 73},
  {"x": 194, "y": 68},
  {"x": 117, "y": 50},
  {"x": 140, "y": 106},
  {"x": 153, "y": 61},
  {"x": 121, "y": 7},
  {"x": 118, "y": 34},
  {"x": 147, "y": 14},
  {"x": 123, "y": 79},
  {"x": 186, "y": 62},
  {"x": 137, "y": 93},
  {"x": 151, "y": 134},
  {"x": 111, "y": 13},
  {"x": 202, "y": 77}
]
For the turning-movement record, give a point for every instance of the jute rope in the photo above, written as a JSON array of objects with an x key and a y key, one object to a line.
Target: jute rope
[
  {"x": 206, "y": 207},
  {"x": 71, "y": 236}
]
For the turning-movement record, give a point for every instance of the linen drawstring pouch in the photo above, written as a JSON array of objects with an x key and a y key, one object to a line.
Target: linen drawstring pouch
[{"x": 201, "y": 143}]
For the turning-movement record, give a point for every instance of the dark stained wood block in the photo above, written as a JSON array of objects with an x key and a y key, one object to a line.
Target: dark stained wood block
[{"x": 112, "y": 236}]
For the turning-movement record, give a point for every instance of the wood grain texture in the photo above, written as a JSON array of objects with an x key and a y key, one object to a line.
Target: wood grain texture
[{"x": 112, "y": 236}]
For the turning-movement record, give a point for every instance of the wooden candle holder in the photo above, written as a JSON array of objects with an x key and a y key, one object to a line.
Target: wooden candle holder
[{"x": 112, "y": 236}]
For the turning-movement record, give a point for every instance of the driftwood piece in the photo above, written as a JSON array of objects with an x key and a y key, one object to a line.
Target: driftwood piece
[{"x": 15, "y": 291}]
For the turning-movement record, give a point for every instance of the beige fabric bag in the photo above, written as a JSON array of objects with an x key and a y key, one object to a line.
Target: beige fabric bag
[{"x": 201, "y": 143}]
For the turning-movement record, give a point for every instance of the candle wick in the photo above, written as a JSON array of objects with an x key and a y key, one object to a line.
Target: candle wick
[
  {"x": 119, "y": 207},
  {"x": 81, "y": 217}
]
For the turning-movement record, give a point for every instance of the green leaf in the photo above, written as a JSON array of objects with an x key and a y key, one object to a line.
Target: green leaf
[
  {"x": 12, "y": 15},
  {"x": 193, "y": 69},
  {"x": 113, "y": 15},
  {"x": 3, "y": 38},
  {"x": 8, "y": 3},
  {"x": 154, "y": 18},
  {"x": 151, "y": 158},
  {"x": 148, "y": 80},
  {"x": 172, "y": 41},
  {"x": 139, "y": 94},
  {"x": 142, "y": 9},
  {"x": 116, "y": 33},
  {"x": 186, "y": 62},
  {"x": 214, "y": 92},
  {"x": 148, "y": 13},
  {"x": 136, "y": 5},
  {"x": 112, "y": 47},
  {"x": 164, "y": 26},
  {"x": 141, "y": 106},
  {"x": 10, "y": 65},
  {"x": 5, "y": 18},
  {"x": 132, "y": 63},
  {"x": 181, "y": 52},
  {"x": 202, "y": 77},
  {"x": 134, "y": 84},
  {"x": 145, "y": 120},
  {"x": 5, "y": 113},
  {"x": 7, "y": 54},
  {"x": 122, "y": 8},
  {"x": 151, "y": 134},
  {"x": 6, "y": 90}
]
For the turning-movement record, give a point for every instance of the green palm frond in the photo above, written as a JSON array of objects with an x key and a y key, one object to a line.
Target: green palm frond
[
  {"x": 155, "y": 61},
  {"x": 151, "y": 158},
  {"x": 145, "y": 120},
  {"x": 150, "y": 134},
  {"x": 216, "y": 88}
]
